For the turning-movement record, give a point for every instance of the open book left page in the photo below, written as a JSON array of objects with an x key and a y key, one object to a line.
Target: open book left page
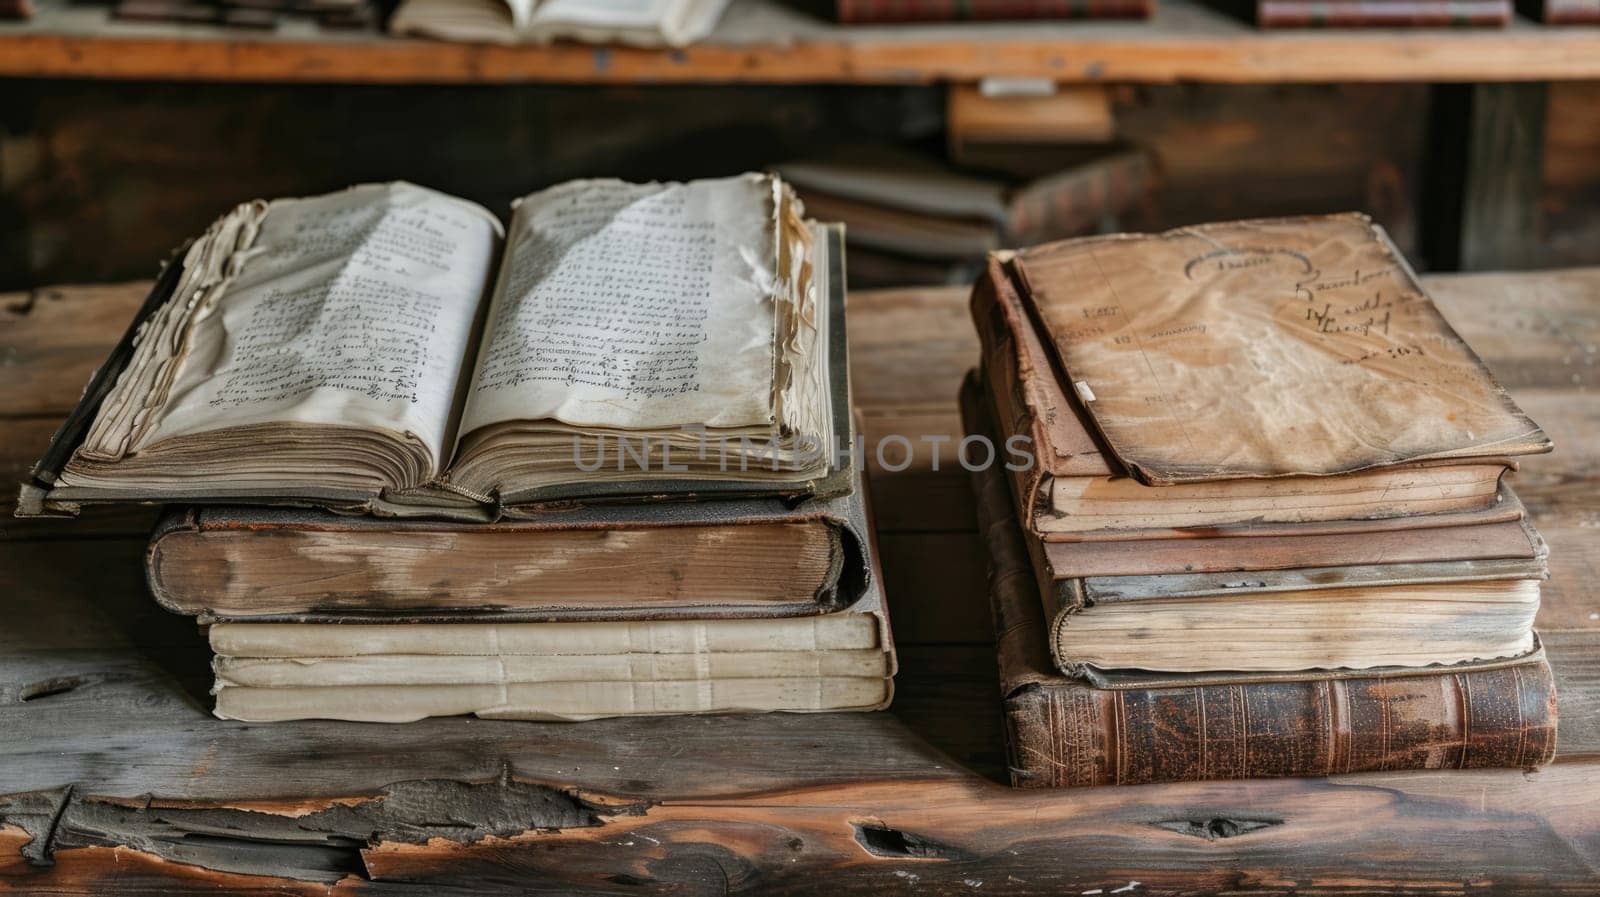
[{"x": 312, "y": 348}]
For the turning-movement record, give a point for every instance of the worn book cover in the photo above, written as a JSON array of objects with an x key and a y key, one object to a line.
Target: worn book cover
[
  {"x": 1080, "y": 489},
  {"x": 661, "y": 560},
  {"x": 1136, "y": 728},
  {"x": 1269, "y": 348}
]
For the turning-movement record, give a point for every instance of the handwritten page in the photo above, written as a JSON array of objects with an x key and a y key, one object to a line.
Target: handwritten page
[
  {"x": 1265, "y": 348},
  {"x": 354, "y": 308},
  {"x": 634, "y": 306}
]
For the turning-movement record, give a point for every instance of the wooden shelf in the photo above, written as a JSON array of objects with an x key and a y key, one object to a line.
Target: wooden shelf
[{"x": 760, "y": 41}]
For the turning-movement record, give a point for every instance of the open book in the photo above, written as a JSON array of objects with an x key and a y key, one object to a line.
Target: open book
[
  {"x": 358, "y": 351},
  {"x": 645, "y": 23}
]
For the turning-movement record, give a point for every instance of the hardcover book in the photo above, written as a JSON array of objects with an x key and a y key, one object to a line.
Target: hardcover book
[
  {"x": 1446, "y": 595},
  {"x": 385, "y": 350},
  {"x": 1320, "y": 389},
  {"x": 911, "y": 204},
  {"x": 664, "y": 560},
  {"x": 1132, "y": 727}
]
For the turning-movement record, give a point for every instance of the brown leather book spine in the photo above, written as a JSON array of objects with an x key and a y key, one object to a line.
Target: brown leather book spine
[
  {"x": 1382, "y": 13},
  {"x": 1078, "y": 735},
  {"x": 884, "y": 11}
]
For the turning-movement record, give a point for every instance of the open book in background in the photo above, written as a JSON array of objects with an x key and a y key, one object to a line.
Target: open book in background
[
  {"x": 385, "y": 349},
  {"x": 645, "y": 23},
  {"x": 912, "y": 217}
]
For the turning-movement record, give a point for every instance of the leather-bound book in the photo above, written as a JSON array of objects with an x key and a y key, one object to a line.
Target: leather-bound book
[
  {"x": 1382, "y": 13},
  {"x": 883, "y": 11},
  {"x": 1250, "y": 378},
  {"x": 1134, "y": 728}
]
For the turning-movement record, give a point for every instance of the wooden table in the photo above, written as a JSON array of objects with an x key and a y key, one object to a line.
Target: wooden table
[{"x": 118, "y": 778}]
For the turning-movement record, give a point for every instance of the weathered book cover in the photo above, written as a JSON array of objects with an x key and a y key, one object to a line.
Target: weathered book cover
[
  {"x": 1139, "y": 729},
  {"x": 662, "y": 560},
  {"x": 1272, "y": 348},
  {"x": 1030, "y": 403}
]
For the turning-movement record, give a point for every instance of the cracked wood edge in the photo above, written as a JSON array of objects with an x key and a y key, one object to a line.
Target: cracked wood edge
[{"x": 1516, "y": 833}]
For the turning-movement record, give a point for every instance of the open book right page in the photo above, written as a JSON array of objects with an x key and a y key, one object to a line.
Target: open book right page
[
  {"x": 633, "y": 306},
  {"x": 685, "y": 318},
  {"x": 1288, "y": 347}
]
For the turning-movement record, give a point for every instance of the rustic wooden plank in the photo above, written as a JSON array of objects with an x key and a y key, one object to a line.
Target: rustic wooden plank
[
  {"x": 1418, "y": 834},
  {"x": 767, "y": 42}
]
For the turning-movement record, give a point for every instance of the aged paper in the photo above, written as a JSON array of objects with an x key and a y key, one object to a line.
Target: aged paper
[
  {"x": 352, "y": 309},
  {"x": 1263, "y": 349},
  {"x": 635, "y": 307}
]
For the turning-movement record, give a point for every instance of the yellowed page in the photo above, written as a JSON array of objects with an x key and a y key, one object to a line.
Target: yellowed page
[
  {"x": 350, "y": 309},
  {"x": 634, "y": 306},
  {"x": 1262, "y": 349}
]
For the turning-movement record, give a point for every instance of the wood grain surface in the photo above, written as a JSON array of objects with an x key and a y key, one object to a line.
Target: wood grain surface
[
  {"x": 766, "y": 41},
  {"x": 118, "y": 780}
]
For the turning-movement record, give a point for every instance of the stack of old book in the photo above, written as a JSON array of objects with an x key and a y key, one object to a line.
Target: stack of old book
[
  {"x": 423, "y": 467},
  {"x": 1253, "y": 521}
]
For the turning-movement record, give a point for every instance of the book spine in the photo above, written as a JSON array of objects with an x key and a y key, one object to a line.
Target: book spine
[
  {"x": 1065, "y": 737},
  {"x": 1001, "y": 360},
  {"x": 1382, "y": 13},
  {"x": 885, "y": 11},
  {"x": 1076, "y": 202}
]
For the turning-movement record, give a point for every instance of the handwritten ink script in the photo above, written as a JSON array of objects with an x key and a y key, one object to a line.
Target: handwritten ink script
[
  {"x": 352, "y": 309},
  {"x": 634, "y": 306},
  {"x": 1264, "y": 348},
  {"x": 625, "y": 313},
  {"x": 357, "y": 334}
]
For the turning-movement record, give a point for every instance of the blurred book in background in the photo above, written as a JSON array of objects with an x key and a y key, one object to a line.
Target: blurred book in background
[{"x": 913, "y": 218}]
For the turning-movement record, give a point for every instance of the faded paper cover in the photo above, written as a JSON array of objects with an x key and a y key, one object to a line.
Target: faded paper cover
[{"x": 1269, "y": 348}]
